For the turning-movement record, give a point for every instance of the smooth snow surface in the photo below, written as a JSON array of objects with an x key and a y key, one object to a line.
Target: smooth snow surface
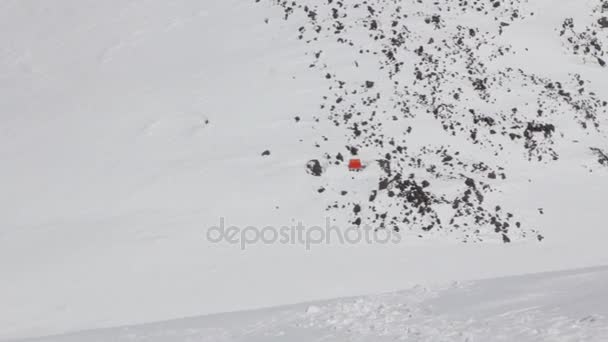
[{"x": 128, "y": 128}]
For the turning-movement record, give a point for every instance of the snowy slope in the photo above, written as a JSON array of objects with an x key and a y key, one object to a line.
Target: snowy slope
[
  {"x": 562, "y": 306},
  {"x": 129, "y": 128}
]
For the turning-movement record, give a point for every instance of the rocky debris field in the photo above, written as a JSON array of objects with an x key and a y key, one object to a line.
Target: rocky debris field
[
  {"x": 393, "y": 69},
  {"x": 590, "y": 39}
]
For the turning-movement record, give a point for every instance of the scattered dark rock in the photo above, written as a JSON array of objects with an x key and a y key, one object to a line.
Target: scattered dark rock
[
  {"x": 447, "y": 71},
  {"x": 601, "y": 155},
  {"x": 314, "y": 168}
]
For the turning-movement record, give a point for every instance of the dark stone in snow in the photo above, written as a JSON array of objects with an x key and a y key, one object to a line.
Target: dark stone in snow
[
  {"x": 372, "y": 197},
  {"x": 314, "y": 168},
  {"x": 266, "y": 153},
  {"x": 546, "y": 129},
  {"x": 353, "y": 150},
  {"x": 383, "y": 184},
  {"x": 602, "y": 156}
]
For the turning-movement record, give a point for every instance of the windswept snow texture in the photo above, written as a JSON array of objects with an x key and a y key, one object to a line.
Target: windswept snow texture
[{"x": 564, "y": 306}]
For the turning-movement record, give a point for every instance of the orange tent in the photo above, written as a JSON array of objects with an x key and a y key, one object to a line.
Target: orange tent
[{"x": 355, "y": 165}]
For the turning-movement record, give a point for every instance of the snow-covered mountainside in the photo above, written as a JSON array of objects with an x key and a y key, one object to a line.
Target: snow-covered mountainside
[
  {"x": 133, "y": 131},
  {"x": 541, "y": 307}
]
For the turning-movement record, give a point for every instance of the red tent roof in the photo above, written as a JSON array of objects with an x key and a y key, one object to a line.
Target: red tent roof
[{"x": 355, "y": 164}]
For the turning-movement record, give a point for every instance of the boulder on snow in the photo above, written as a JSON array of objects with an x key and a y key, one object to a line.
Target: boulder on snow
[{"x": 313, "y": 167}]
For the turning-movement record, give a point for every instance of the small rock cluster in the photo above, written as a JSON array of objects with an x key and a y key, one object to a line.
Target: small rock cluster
[
  {"x": 590, "y": 41},
  {"x": 602, "y": 156}
]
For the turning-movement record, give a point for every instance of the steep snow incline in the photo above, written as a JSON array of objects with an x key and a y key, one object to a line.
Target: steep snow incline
[
  {"x": 128, "y": 128},
  {"x": 565, "y": 306}
]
